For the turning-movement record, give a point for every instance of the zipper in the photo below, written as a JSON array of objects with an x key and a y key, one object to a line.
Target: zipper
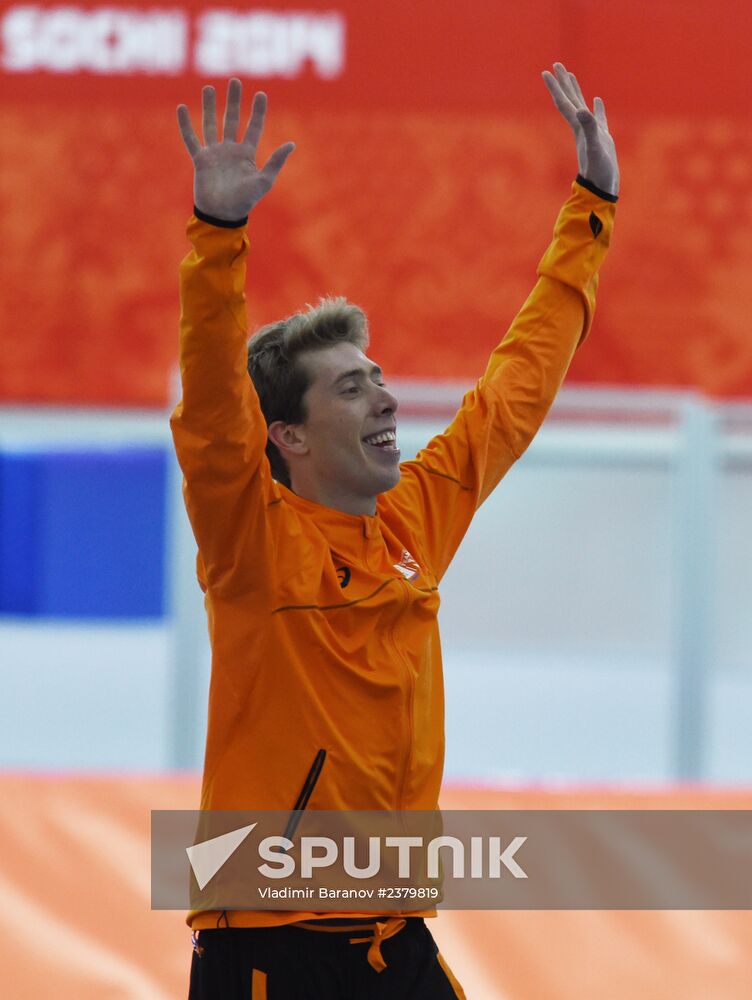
[
  {"x": 411, "y": 696},
  {"x": 305, "y": 793}
]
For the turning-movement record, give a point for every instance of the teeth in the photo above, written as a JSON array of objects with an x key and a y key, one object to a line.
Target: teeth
[{"x": 381, "y": 438}]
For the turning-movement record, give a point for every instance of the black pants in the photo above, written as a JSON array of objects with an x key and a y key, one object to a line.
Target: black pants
[{"x": 294, "y": 963}]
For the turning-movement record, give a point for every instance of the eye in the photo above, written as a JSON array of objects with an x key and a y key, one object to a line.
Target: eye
[{"x": 353, "y": 389}]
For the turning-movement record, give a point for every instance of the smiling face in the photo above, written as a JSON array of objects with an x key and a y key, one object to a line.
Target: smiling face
[{"x": 345, "y": 453}]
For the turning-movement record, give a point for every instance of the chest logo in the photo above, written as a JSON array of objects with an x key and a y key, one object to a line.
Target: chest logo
[
  {"x": 343, "y": 575},
  {"x": 407, "y": 566}
]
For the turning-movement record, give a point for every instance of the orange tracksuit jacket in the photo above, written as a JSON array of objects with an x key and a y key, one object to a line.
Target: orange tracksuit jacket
[{"x": 326, "y": 663}]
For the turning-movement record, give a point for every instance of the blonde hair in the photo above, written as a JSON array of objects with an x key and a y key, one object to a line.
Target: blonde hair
[{"x": 274, "y": 365}]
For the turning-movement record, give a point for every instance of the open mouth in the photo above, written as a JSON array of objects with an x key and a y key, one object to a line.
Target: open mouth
[{"x": 384, "y": 441}]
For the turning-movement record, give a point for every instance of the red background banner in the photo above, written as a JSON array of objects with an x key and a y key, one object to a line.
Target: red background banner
[{"x": 429, "y": 170}]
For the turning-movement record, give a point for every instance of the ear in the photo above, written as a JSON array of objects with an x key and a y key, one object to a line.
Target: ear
[{"x": 290, "y": 439}]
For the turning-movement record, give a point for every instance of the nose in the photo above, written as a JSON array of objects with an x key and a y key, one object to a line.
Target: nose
[{"x": 385, "y": 401}]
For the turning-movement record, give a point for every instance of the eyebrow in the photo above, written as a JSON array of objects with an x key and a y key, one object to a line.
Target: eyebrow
[{"x": 357, "y": 373}]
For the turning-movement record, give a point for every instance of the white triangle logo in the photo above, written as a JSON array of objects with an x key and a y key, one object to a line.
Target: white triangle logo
[
  {"x": 407, "y": 566},
  {"x": 207, "y": 858}
]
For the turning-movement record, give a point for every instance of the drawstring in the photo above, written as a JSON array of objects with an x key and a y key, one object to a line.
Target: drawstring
[{"x": 381, "y": 931}]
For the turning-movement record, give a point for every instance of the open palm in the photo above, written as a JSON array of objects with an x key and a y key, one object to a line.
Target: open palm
[{"x": 227, "y": 180}]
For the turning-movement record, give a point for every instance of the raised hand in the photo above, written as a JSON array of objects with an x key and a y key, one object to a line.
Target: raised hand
[
  {"x": 596, "y": 153},
  {"x": 227, "y": 182}
]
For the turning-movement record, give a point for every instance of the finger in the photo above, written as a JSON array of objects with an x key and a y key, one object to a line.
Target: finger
[
  {"x": 577, "y": 90},
  {"x": 276, "y": 161},
  {"x": 256, "y": 124},
  {"x": 589, "y": 126},
  {"x": 562, "y": 75},
  {"x": 232, "y": 111},
  {"x": 600, "y": 113},
  {"x": 185, "y": 125},
  {"x": 209, "y": 115},
  {"x": 561, "y": 100}
]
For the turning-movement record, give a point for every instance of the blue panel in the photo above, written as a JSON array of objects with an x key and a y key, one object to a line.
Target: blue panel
[
  {"x": 82, "y": 534},
  {"x": 102, "y": 534},
  {"x": 20, "y": 485}
]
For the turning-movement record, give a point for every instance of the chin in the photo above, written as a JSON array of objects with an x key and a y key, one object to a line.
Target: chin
[{"x": 390, "y": 480}]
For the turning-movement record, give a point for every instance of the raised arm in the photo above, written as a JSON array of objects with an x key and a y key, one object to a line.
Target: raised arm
[
  {"x": 218, "y": 427},
  {"x": 449, "y": 479}
]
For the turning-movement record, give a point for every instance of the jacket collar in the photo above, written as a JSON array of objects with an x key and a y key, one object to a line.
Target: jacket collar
[{"x": 334, "y": 523}]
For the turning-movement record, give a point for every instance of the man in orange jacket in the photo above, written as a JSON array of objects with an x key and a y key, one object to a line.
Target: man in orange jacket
[{"x": 320, "y": 554}]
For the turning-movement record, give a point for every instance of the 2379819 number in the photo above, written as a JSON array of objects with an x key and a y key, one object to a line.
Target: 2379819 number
[{"x": 409, "y": 892}]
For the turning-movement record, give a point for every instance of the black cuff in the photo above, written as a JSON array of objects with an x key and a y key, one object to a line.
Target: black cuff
[
  {"x": 222, "y": 223},
  {"x": 584, "y": 182}
]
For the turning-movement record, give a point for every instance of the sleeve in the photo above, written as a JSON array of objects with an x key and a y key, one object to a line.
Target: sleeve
[
  {"x": 441, "y": 489},
  {"x": 218, "y": 428}
]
